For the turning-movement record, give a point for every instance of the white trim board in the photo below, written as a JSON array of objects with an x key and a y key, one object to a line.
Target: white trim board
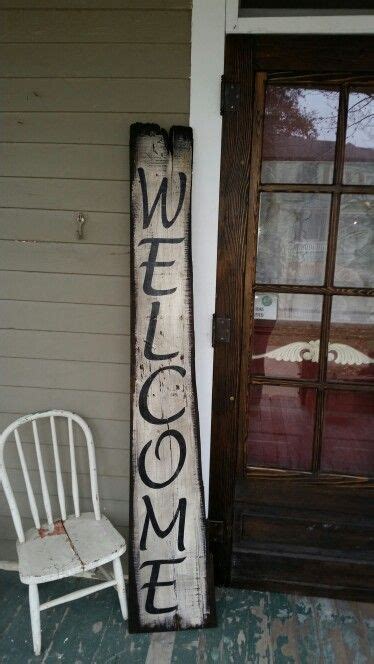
[
  {"x": 207, "y": 59},
  {"x": 314, "y": 24}
]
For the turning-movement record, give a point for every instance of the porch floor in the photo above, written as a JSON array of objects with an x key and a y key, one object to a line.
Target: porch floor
[{"x": 256, "y": 627}]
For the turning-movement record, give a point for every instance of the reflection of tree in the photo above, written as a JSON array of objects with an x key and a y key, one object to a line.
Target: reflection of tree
[{"x": 285, "y": 117}]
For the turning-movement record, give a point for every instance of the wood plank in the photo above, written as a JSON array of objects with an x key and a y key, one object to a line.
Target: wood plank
[
  {"x": 95, "y": 26},
  {"x": 65, "y": 346},
  {"x": 163, "y": 390},
  {"x": 64, "y": 374},
  {"x": 95, "y": 95},
  {"x": 105, "y": 405},
  {"x": 96, "y": 60},
  {"x": 106, "y": 433},
  {"x": 60, "y": 317},
  {"x": 65, "y": 288},
  {"x": 110, "y": 462},
  {"x": 97, "y": 4},
  {"x": 83, "y": 162},
  {"x": 61, "y": 226},
  {"x": 93, "y": 540},
  {"x": 60, "y": 194},
  {"x": 90, "y": 128},
  {"x": 70, "y": 258}
]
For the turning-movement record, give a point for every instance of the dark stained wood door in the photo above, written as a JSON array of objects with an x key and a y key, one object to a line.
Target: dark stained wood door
[{"x": 291, "y": 501}]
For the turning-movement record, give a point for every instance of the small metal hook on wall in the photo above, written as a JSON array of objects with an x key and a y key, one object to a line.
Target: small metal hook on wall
[{"x": 80, "y": 220}]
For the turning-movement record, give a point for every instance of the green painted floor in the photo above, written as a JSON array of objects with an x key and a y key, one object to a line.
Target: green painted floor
[{"x": 256, "y": 627}]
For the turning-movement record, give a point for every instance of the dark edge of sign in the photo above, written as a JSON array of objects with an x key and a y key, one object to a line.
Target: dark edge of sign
[{"x": 176, "y": 133}]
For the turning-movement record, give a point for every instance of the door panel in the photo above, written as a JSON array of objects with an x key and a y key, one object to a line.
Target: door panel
[{"x": 298, "y": 437}]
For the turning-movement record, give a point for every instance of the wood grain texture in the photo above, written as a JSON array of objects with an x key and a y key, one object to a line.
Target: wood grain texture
[
  {"x": 234, "y": 190},
  {"x": 165, "y": 484}
]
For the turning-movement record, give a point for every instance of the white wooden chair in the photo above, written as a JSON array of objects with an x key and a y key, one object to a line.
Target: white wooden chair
[{"x": 71, "y": 545}]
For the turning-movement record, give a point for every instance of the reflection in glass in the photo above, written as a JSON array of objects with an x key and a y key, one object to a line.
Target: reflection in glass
[
  {"x": 355, "y": 249},
  {"x": 351, "y": 344},
  {"x": 299, "y": 134},
  {"x": 286, "y": 335},
  {"x": 347, "y": 445},
  {"x": 292, "y": 238},
  {"x": 359, "y": 148},
  {"x": 281, "y": 424}
]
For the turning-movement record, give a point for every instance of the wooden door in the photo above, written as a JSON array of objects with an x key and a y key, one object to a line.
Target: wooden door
[{"x": 293, "y": 401}]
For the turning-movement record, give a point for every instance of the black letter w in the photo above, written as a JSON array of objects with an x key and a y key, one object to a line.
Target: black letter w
[{"x": 162, "y": 192}]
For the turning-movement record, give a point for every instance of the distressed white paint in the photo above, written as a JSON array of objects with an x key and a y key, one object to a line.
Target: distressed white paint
[
  {"x": 170, "y": 394},
  {"x": 314, "y": 24},
  {"x": 64, "y": 548},
  {"x": 208, "y": 37}
]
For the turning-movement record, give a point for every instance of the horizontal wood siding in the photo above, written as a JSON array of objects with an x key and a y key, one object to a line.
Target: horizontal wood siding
[{"x": 74, "y": 75}]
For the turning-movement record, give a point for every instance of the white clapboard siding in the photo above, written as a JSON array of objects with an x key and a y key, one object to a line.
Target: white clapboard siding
[
  {"x": 85, "y": 289},
  {"x": 111, "y": 434},
  {"x": 109, "y": 486},
  {"x": 54, "y": 316},
  {"x": 61, "y": 226},
  {"x": 61, "y": 194},
  {"x": 91, "y": 162},
  {"x": 113, "y": 463},
  {"x": 98, "y": 60},
  {"x": 106, "y": 405},
  {"x": 72, "y": 81},
  {"x": 65, "y": 346},
  {"x": 95, "y": 26},
  {"x": 98, "y": 4},
  {"x": 74, "y": 258},
  {"x": 114, "y": 509},
  {"x": 94, "y": 95},
  {"x": 88, "y": 128},
  {"x": 67, "y": 375}
]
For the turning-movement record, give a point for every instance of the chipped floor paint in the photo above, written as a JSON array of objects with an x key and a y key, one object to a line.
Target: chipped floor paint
[{"x": 253, "y": 628}]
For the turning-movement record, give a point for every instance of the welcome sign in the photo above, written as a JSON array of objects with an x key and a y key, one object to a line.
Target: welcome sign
[{"x": 168, "y": 558}]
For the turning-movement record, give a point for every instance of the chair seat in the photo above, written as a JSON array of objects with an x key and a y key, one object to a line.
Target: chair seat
[{"x": 76, "y": 545}]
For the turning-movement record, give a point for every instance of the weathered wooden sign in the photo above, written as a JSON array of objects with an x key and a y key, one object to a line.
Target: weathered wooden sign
[{"x": 168, "y": 557}]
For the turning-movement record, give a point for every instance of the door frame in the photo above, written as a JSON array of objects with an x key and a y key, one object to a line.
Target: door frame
[{"x": 244, "y": 56}]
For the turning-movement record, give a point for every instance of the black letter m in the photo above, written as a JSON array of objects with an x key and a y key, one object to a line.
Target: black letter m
[{"x": 150, "y": 517}]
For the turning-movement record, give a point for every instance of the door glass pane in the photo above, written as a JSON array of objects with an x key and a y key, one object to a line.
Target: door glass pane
[
  {"x": 355, "y": 249},
  {"x": 286, "y": 335},
  {"x": 299, "y": 134},
  {"x": 347, "y": 445},
  {"x": 359, "y": 149},
  {"x": 351, "y": 344},
  {"x": 292, "y": 238},
  {"x": 281, "y": 424}
]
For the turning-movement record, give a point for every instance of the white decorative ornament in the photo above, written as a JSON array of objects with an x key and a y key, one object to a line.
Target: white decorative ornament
[{"x": 299, "y": 351}]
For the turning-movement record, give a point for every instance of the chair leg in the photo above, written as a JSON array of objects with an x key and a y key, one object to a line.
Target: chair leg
[
  {"x": 120, "y": 581},
  {"x": 35, "y": 617}
]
